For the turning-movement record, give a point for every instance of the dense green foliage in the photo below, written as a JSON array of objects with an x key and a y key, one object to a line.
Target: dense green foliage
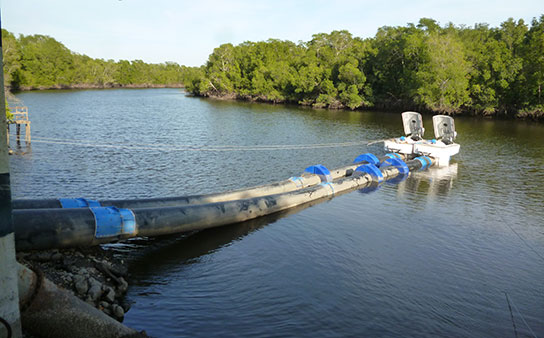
[
  {"x": 481, "y": 70},
  {"x": 9, "y": 115},
  {"x": 38, "y": 61},
  {"x": 450, "y": 69}
]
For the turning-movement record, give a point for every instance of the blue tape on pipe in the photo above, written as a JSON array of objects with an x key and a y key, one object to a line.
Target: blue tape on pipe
[
  {"x": 368, "y": 157},
  {"x": 129, "y": 221},
  {"x": 320, "y": 170},
  {"x": 397, "y": 163},
  {"x": 78, "y": 203},
  {"x": 372, "y": 170},
  {"x": 423, "y": 162},
  {"x": 393, "y": 155},
  {"x": 427, "y": 164},
  {"x": 299, "y": 181},
  {"x": 112, "y": 221},
  {"x": 429, "y": 161},
  {"x": 329, "y": 185}
]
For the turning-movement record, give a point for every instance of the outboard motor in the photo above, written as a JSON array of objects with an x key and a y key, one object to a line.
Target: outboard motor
[
  {"x": 444, "y": 128},
  {"x": 413, "y": 125}
]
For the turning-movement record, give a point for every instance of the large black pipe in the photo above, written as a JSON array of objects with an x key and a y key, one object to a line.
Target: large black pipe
[{"x": 55, "y": 228}]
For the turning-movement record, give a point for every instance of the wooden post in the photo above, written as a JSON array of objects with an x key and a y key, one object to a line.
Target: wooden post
[
  {"x": 27, "y": 133},
  {"x": 20, "y": 116}
]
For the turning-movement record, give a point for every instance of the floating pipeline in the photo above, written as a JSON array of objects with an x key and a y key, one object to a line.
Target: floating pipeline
[
  {"x": 309, "y": 178},
  {"x": 79, "y": 227}
]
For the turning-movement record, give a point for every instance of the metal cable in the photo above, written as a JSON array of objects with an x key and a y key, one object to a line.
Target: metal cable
[
  {"x": 511, "y": 315},
  {"x": 521, "y": 316},
  {"x": 215, "y": 148},
  {"x": 523, "y": 240}
]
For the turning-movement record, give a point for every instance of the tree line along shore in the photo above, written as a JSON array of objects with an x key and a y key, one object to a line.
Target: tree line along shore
[
  {"x": 479, "y": 70},
  {"x": 41, "y": 62}
]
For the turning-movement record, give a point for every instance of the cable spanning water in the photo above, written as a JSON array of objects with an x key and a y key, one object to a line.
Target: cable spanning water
[{"x": 190, "y": 147}]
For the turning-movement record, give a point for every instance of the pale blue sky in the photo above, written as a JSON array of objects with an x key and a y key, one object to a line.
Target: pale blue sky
[{"x": 187, "y": 31}]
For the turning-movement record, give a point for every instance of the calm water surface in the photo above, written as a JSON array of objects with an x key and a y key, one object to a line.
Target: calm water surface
[{"x": 431, "y": 256}]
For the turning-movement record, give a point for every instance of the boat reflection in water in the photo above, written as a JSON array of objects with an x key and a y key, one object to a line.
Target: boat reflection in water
[{"x": 434, "y": 182}]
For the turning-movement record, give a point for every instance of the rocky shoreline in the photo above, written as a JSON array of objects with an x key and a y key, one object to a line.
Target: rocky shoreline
[{"x": 94, "y": 275}]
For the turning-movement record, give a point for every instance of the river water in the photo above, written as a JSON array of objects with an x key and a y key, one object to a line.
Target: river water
[{"x": 435, "y": 255}]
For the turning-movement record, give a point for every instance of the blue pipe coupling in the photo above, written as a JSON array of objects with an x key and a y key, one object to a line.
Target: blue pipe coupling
[
  {"x": 321, "y": 171},
  {"x": 394, "y": 155},
  {"x": 369, "y": 158},
  {"x": 372, "y": 170},
  {"x": 112, "y": 221},
  {"x": 426, "y": 162},
  {"x": 397, "y": 163}
]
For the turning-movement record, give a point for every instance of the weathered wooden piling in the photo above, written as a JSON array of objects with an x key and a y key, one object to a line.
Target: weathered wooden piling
[{"x": 20, "y": 117}]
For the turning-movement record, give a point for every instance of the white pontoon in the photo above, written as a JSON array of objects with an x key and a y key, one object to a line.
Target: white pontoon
[{"x": 442, "y": 148}]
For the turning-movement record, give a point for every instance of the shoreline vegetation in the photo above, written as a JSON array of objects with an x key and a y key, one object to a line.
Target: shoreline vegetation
[
  {"x": 481, "y": 70},
  {"x": 102, "y": 86},
  {"x": 38, "y": 62}
]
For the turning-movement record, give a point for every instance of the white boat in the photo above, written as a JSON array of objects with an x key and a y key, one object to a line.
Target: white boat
[{"x": 441, "y": 148}]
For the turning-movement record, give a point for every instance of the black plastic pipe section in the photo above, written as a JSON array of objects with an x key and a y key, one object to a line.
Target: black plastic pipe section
[{"x": 56, "y": 228}]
